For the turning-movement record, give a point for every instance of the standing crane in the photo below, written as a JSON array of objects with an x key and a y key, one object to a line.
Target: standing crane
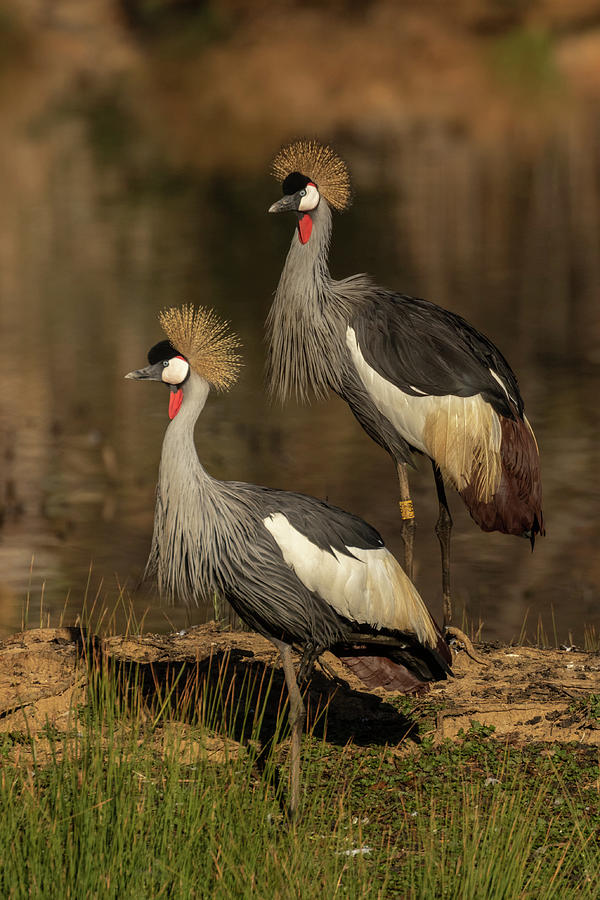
[
  {"x": 417, "y": 377},
  {"x": 299, "y": 571}
]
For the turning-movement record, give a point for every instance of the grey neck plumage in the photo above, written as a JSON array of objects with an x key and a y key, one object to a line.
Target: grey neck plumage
[
  {"x": 306, "y": 326},
  {"x": 196, "y": 517}
]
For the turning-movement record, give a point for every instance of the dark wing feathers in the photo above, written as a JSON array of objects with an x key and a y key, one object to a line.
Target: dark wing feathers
[
  {"x": 415, "y": 344},
  {"x": 324, "y": 525}
]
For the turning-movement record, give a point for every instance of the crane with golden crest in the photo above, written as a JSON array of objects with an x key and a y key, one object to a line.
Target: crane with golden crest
[
  {"x": 419, "y": 378},
  {"x": 300, "y": 572}
]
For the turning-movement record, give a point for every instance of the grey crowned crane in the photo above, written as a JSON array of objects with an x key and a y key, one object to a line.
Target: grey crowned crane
[
  {"x": 417, "y": 377},
  {"x": 300, "y": 572}
]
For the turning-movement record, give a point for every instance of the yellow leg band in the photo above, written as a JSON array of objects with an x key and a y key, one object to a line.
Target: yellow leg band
[{"x": 407, "y": 510}]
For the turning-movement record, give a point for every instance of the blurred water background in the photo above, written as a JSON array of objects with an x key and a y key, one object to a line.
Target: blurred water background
[{"x": 135, "y": 141}]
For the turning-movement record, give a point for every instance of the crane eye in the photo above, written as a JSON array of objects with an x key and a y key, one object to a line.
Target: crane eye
[
  {"x": 302, "y": 192},
  {"x": 166, "y": 363}
]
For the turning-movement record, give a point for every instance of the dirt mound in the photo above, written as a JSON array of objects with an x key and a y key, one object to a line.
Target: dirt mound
[
  {"x": 41, "y": 679},
  {"x": 525, "y": 694}
]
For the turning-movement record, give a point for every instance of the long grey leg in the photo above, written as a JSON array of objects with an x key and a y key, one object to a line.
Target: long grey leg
[
  {"x": 443, "y": 530},
  {"x": 407, "y": 512},
  {"x": 296, "y": 718}
]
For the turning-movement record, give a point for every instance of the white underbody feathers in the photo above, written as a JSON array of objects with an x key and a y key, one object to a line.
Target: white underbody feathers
[{"x": 368, "y": 587}]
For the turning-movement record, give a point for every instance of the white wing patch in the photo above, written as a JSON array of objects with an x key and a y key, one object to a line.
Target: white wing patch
[
  {"x": 462, "y": 434},
  {"x": 371, "y": 589}
]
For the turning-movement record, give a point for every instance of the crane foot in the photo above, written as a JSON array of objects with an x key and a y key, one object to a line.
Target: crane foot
[{"x": 451, "y": 632}]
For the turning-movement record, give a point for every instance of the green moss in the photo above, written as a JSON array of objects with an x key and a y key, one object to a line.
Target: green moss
[{"x": 524, "y": 60}]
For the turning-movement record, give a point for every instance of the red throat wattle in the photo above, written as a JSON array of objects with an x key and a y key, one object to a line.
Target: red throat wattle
[
  {"x": 175, "y": 399},
  {"x": 304, "y": 228}
]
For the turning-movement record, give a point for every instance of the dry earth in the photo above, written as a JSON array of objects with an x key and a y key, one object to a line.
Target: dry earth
[{"x": 527, "y": 694}]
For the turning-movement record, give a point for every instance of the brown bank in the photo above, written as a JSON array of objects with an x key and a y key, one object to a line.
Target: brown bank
[{"x": 526, "y": 694}]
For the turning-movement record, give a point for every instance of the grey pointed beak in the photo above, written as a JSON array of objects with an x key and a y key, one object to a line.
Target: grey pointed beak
[
  {"x": 151, "y": 373},
  {"x": 287, "y": 202}
]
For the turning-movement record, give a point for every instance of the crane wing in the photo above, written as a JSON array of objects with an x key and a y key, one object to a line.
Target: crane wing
[
  {"x": 426, "y": 350},
  {"x": 357, "y": 575}
]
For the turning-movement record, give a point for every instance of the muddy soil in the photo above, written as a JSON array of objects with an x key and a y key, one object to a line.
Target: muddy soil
[{"x": 526, "y": 694}]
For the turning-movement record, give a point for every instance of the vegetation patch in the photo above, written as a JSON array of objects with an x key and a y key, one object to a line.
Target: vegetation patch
[{"x": 166, "y": 775}]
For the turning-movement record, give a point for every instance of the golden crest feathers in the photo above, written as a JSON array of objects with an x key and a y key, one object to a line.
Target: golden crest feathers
[
  {"x": 205, "y": 341},
  {"x": 319, "y": 163}
]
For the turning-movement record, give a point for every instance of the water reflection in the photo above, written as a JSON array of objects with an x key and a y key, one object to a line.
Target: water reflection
[{"x": 89, "y": 255}]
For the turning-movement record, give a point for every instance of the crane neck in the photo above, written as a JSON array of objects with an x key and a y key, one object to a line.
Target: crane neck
[
  {"x": 307, "y": 264},
  {"x": 189, "y": 507},
  {"x": 179, "y": 457},
  {"x": 306, "y": 326}
]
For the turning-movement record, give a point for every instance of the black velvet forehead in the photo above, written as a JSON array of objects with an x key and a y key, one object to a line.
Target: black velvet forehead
[
  {"x": 295, "y": 181},
  {"x": 162, "y": 350}
]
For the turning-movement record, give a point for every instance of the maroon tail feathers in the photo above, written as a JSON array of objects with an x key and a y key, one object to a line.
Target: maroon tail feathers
[
  {"x": 377, "y": 671},
  {"x": 380, "y": 671},
  {"x": 516, "y": 507}
]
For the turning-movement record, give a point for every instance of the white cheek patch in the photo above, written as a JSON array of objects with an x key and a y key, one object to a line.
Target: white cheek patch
[
  {"x": 310, "y": 200},
  {"x": 176, "y": 371}
]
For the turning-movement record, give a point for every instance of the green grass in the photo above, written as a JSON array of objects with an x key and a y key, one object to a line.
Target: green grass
[
  {"x": 119, "y": 818},
  {"x": 480, "y": 818},
  {"x": 128, "y": 802}
]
